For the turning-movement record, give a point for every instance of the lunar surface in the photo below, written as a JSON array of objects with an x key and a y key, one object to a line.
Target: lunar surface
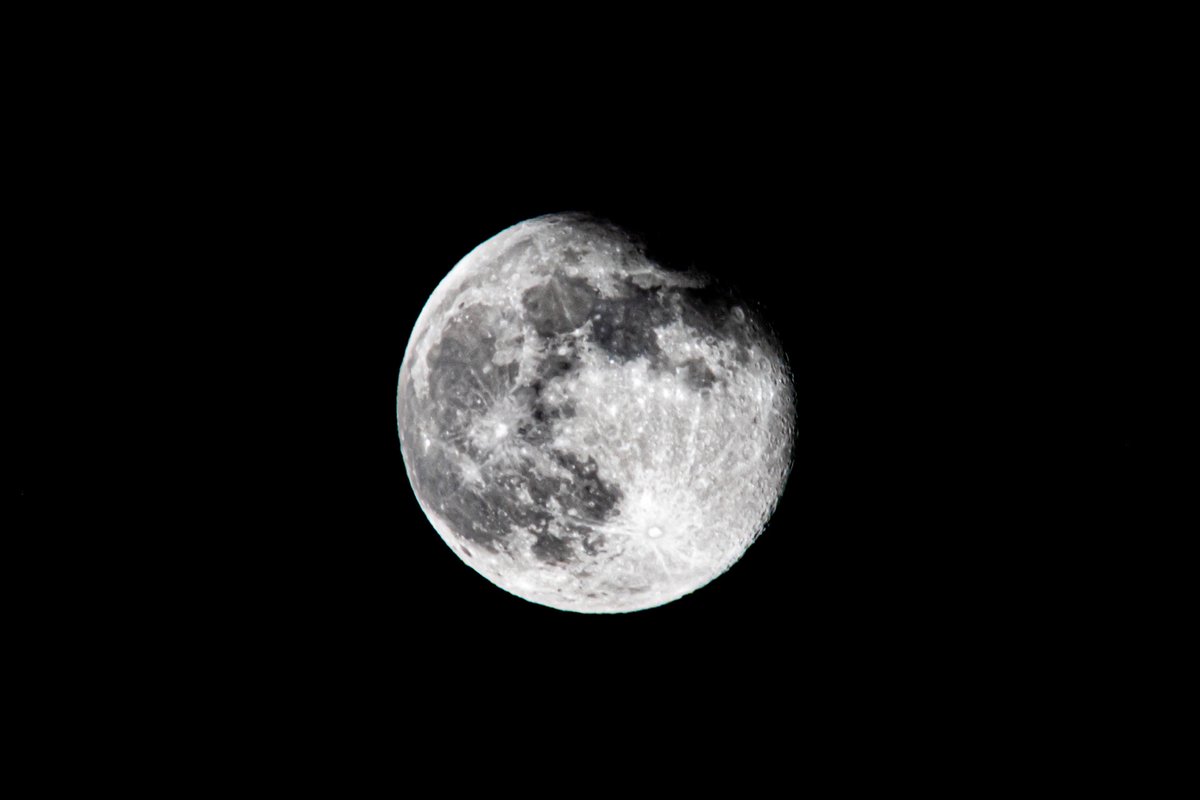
[{"x": 587, "y": 429}]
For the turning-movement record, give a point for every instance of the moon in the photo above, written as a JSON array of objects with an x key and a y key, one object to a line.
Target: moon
[{"x": 587, "y": 429}]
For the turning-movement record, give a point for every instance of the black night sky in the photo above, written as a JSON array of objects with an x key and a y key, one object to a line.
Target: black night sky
[{"x": 971, "y": 314}]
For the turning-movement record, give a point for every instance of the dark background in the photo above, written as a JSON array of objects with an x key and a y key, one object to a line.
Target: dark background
[
  {"x": 976, "y": 299},
  {"x": 970, "y": 362}
]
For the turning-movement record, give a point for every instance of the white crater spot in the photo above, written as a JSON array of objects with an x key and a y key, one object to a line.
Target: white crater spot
[{"x": 586, "y": 429}]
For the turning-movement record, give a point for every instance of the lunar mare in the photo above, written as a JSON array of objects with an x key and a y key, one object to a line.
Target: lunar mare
[{"x": 587, "y": 429}]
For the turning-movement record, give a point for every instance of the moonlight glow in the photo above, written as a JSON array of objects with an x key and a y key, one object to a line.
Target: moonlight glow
[{"x": 586, "y": 429}]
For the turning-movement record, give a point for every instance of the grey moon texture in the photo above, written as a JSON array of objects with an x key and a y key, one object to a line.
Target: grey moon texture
[{"x": 587, "y": 429}]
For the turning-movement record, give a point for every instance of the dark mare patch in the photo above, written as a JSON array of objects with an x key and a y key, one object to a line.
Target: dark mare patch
[
  {"x": 624, "y": 326},
  {"x": 697, "y": 374},
  {"x": 591, "y": 497},
  {"x": 552, "y": 549},
  {"x": 463, "y": 380},
  {"x": 559, "y": 305},
  {"x": 472, "y": 515},
  {"x": 570, "y": 255},
  {"x": 518, "y": 497},
  {"x": 558, "y": 366}
]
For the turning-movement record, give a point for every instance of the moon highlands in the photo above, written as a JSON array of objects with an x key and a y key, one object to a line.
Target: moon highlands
[{"x": 589, "y": 430}]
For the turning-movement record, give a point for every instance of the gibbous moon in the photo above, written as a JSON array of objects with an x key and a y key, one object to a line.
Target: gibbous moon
[{"x": 587, "y": 429}]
